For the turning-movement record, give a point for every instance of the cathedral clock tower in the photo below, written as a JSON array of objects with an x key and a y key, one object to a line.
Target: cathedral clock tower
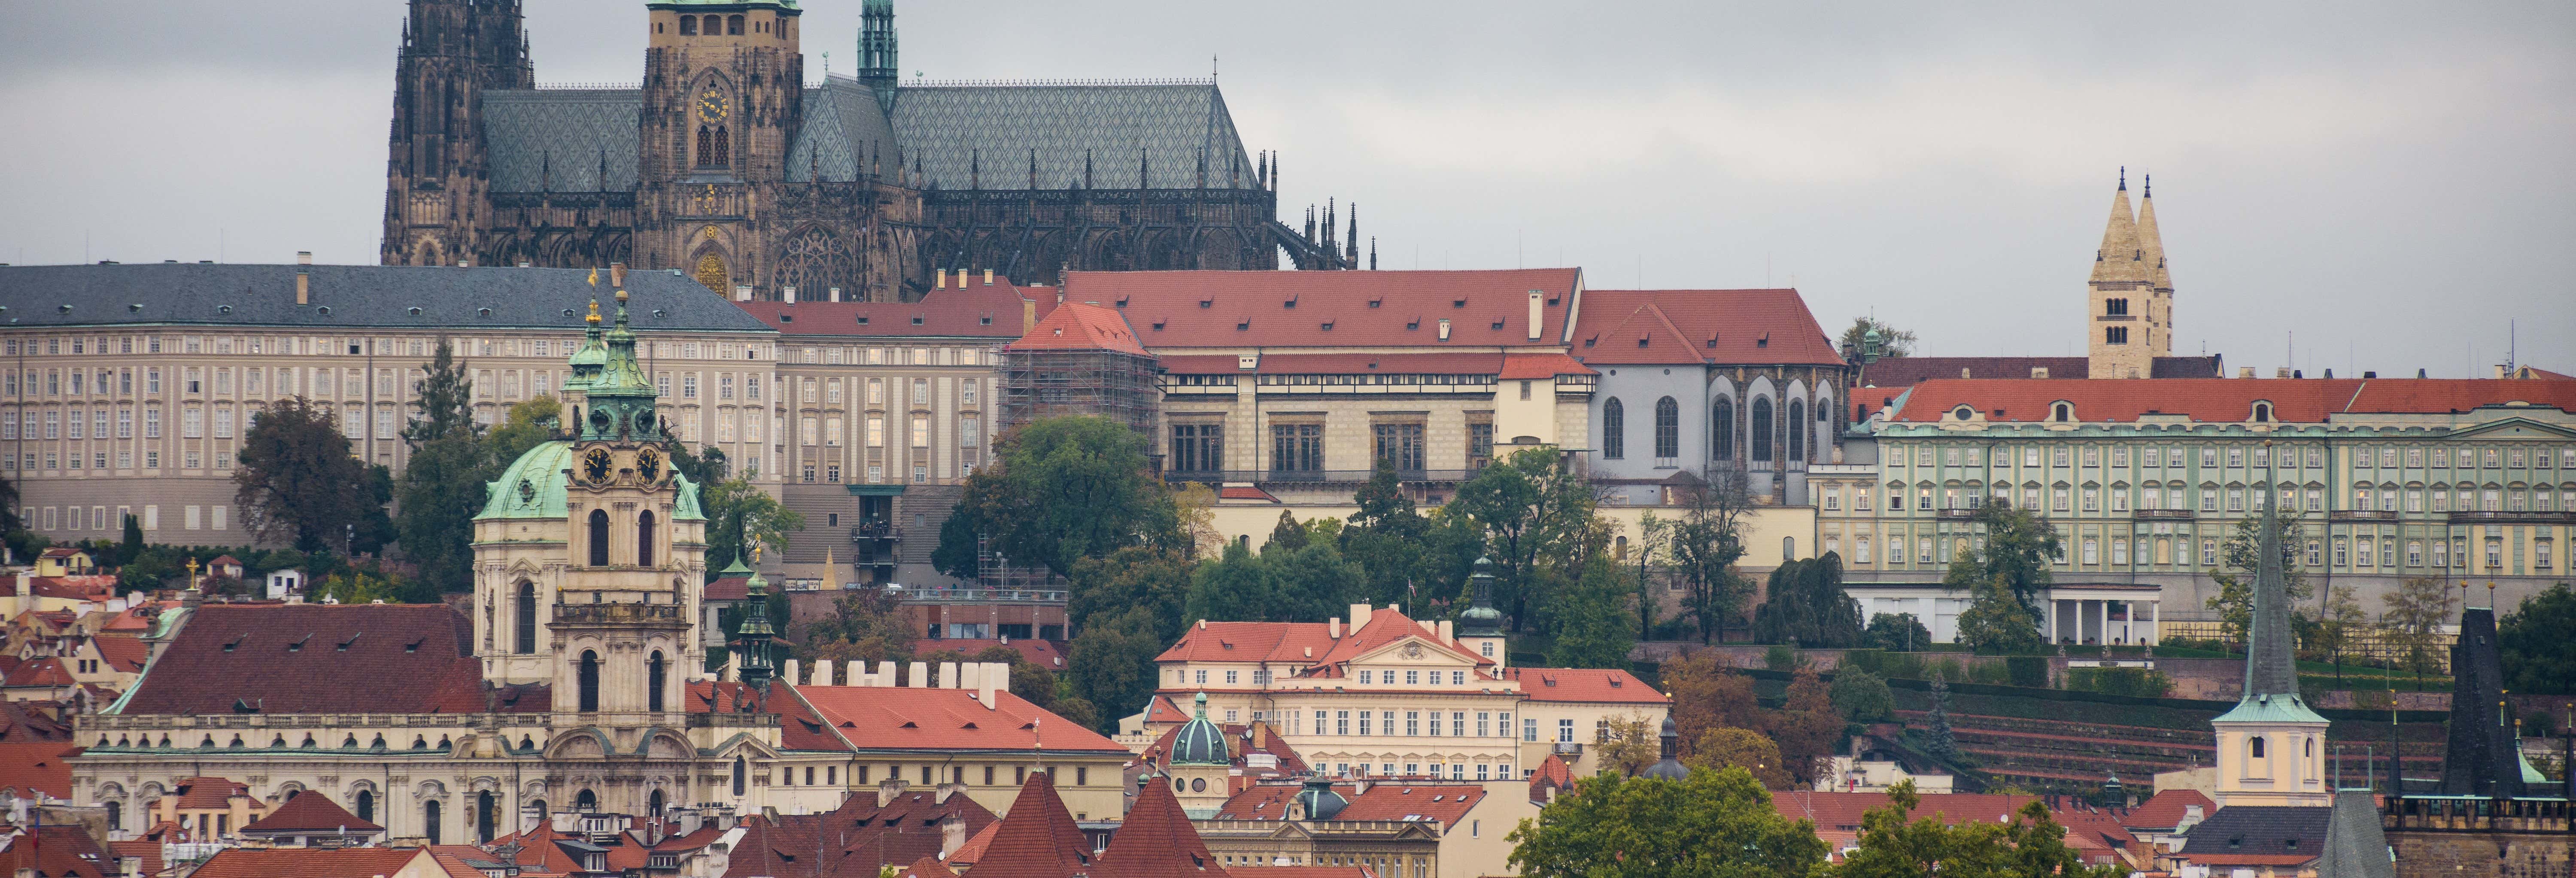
[{"x": 723, "y": 96}]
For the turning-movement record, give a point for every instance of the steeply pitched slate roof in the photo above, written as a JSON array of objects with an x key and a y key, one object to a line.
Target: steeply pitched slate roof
[
  {"x": 557, "y": 140},
  {"x": 38, "y": 766},
  {"x": 2262, "y": 830},
  {"x": 1157, "y": 841},
  {"x": 1081, "y": 326},
  {"x": 311, "y": 658},
  {"x": 910, "y": 718},
  {"x": 1584, "y": 684},
  {"x": 369, "y": 297},
  {"x": 1390, "y": 800},
  {"x": 844, "y": 130},
  {"x": 959, "y": 313},
  {"x": 2222, "y": 400},
  {"x": 1410, "y": 306},
  {"x": 951, "y": 129},
  {"x": 1903, "y": 371},
  {"x": 310, "y": 811},
  {"x": 1763, "y": 326}
]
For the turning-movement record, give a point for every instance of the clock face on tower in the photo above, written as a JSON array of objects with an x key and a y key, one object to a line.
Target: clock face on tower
[
  {"x": 648, "y": 465},
  {"x": 712, "y": 107},
  {"x": 596, "y": 466}
]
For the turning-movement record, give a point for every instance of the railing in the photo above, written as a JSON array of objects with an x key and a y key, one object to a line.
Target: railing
[
  {"x": 876, "y": 530},
  {"x": 1315, "y": 476},
  {"x": 2361, "y": 515},
  {"x": 2162, "y": 515},
  {"x": 987, "y": 595},
  {"x": 1567, "y": 748},
  {"x": 2485, "y": 517}
]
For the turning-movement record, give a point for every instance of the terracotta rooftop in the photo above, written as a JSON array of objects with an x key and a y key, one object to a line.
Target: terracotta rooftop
[
  {"x": 1038, "y": 839},
  {"x": 1584, "y": 684},
  {"x": 1081, "y": 326},
  {"x": 1157, "y": 841},
  {"x": 38, "y": 766},
  {"x": 311, "y": 658},
  {"x": 310, "y": 811},
  {"x": 125, "y": 654},
  {"x": 46, "y": 671},
  {"x": 1239, "y": 739},
  {"x": 1047, "y": 654},
  {"x": 1901, "y": 372},
  {"x": 2166, "y": 809},
  {"x": 994, "y": 312},
  {"x": 911, "y": 718},
  {"x": 799, "y": 727},
  {"x": 1319, "y": 309},
  {"x": 201, "y": 793},
  {"x": 64, "y": 849},
  {"x": 1389, "y": 800},
  {"x": 2221, "y": 400},
  {"x": 1724, "y": 327},
  {"x": 1308, "y": 643}
]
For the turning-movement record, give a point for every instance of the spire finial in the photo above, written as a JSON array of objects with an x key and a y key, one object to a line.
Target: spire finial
[
  {"x": 2124, "y": 178},
  {"x": 2150, "y": 189}
]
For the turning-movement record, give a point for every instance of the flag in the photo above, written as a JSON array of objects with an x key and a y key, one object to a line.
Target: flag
[{"x": 594, "y": 277}]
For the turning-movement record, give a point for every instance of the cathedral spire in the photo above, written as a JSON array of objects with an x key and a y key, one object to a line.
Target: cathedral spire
[
  {"x": 2268, "y": 667},
  {"x": 2151, "y": 246},
  {"x": 2118, "y": 259}
]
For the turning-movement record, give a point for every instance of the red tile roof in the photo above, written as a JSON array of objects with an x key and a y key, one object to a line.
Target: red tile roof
[
  {"x": 310, "y": 811},
  {"x": 1342, "y": 364},
  {"x": 908, "y": 718},
  {"x": 38, "y": 766},
  {"x": 1038, "y": 839},
  {"x": 1311, "y": 644},
  {"x": 27, "y": 722},
  {"x": 2165, "y": 810},
  {"x": 730, "y": 588},
  {"x": 1907, "y": 371},
  {"x": 125, "y": 654},
  {"x": 1551, "y": 774},
  {"x": 1042, "y": 653},
  {"x": 973, "y": 850},
  {"x": 799, "y": 727},
  {"x": 2535, "y": 372},
  {"x": 1244, "y": 492},
  {"x": 1389, "y": 800},
  {"x": 203, "y": 793},
  {"x": 1300, "y": 872},
  {"x": 75, "y": 588},
  {"x": 995, "y": 312},
  {"x": 1841, "y": 812},
  {"x": 65, "y": 849},
  {"x": 1081, "y": 326},
  {"x": 40, "y": 672},
  {"x": 146, "y": 850},
  {"x": 312, "y": 658},
  {"x": 1157, "y": 841},
  {"x": 1239, "y": 739},
  {"x": 1585, "y": 685},
  {"x": 2222, "y": 400},
  {"x": 1762, "y": 326},
  {"x": 854, "y": 840},
  {"x": 1211, "y": 309},
  {"x": 1541, "y": 366}
]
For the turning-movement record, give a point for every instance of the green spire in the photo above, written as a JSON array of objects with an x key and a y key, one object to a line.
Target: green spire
[
  {"x": 620, "y": 394},
  {"x": 753, "y": 635}
]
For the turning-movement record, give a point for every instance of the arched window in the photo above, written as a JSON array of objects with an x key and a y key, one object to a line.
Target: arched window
[
  {"x": 1788, "y": 548},
  {"x": 688, "y": 25},
  {"x": 429, "y": 820},
  {"x": 1722, "y": 429},
  {"x": 644, "y": 539},
  {"x": 1668, "y": 428},
  {"x": 2062, "y": 412},
  {"x": 656, "y": 673},
  {"x": 653, "y": 804},
  {"x": 527, "y": 618},
  {"x": 599, "y": 538},
  {"x": 733, "y": 26},
  {"x": 2311, "y": 747},
  {"x": 2262, "y": 412},
  {"x": 724, "y": 147},
  {"x": 586, "y": 802},
  {"x": 367, "y": 805},
  {"x": 1797, "y": 425},
  {"x": 589, "y": 681},
  {"x": 1761, "y": 429},
  {"x": 487, "y": 813},
  {"x": 115, "y": 815},
  {"x": 742, "y": 774},
  {"x": 1614, "y": 430},
  {"x": 2254, "y": 747},
  {"x": 539, "y": 806},
  {"x": 706, "y": 146}
]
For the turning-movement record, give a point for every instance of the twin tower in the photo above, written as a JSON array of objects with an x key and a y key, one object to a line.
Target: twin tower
[{"x": 2130, "y": 310}]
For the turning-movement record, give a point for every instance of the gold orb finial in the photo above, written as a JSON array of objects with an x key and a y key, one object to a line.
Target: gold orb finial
[
  {"x": 621, "y": 295},
  {"x": 594, "y": 312}
]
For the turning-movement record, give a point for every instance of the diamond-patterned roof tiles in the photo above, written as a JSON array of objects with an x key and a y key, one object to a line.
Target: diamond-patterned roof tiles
[
  {"x": 951, "y": 129},
  {"x": 559, "y": 140}
]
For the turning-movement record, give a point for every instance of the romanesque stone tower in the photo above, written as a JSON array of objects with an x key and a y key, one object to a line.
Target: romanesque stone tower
[
  {"x": 723, "y": 95},
  {"x": 2130, "y": 305}
]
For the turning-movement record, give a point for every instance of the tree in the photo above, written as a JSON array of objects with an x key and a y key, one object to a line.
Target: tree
[
  {"x": 1194, "y": 507},
  {"x": 2417, "y": 608},
  {"x": 2018, "y": 550},
  {"x": 1860, "y": 696},
  {"x": 1112, "y": 664},
  {"x": 1899, "y": 632},
  {"x": 1727, "y": 747},
  {"x": 530, "y": 423},
  {"x": 1237, "y": 587},
  {"x": 1288, "y": 534},
  {"x": 2241, "y": 555},
  {"x": 1628, "y": 744},
  {"x": 1808, "y": 727},
  {"x": 1808, "y": 607},
  {"x": 959, "y": 551},
  {"x": 2031, "y": 845},
  {"x": 2539, "y": 656},
  {"x": 1591, "y": 619},
  {"x": 1713, "y": 824},
  {"x": 1995, "y": 622},
  {"x": 297, "y": 477},
  {"x": 1538, "y": 517},
  {"x": 1067, "y": 488},
  {"x": 442, "y": 486},
  {"x": 1038, "y": 684},
  {"x": 871, "y": 626},
  {"x": 133, "y": 543},
  {"x": 740, "y": 514},
  {"x": 1939, "y": 740},
  {"x": 1653, "y": 548},
  {"x": 357, "y": 588},
  {"x": 1708, "y": 695},
  {"x": 1892, "y": 342},
  {"x": 1707, "y": 540},
  {"x": 1156, "y": 581},
  {"x": 9, "y": 520},
  {"x": 2344, "y": 618}
]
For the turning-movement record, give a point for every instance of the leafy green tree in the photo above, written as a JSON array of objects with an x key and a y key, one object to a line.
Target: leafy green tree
[
  {"x": 1237, "y": 587},
  {"x": 2344, "y": 619},
  {"x": 1653, "y": 549},
  {"x": 1537, "y": 514},
  {"x": 2031, "y": 845},
  {"x": 1391, "y": 542},
  {"x": 1707, "y": 540},
  {"x": 1314, "y": 581},
  {"x": 871, "y": 626},
  {"x": 1860, "y": 696},
  {"x": 2539, "y": 656},
  {"x": 358, "y": 588},
  {"x": 1899, "y": 632},
  {"x": 296, "y": 477},
  {"x": 1153, "y": 580},
  {"x": 1996, "y": 623},
  {"x": 1069, "y": 488},
  {"x": 2417, "y": 609},
  {"x": 1939, "y": 739},
  {"x": 2240, "y": 556},
  {"x": 2019, "y": 548},
  {"x": 1304, "y": 584},
  {"x": 530, "y": 423},
  {"x": 133, "y": 544},
  {"x": 1713, "y": 824},
  {"x": 740, "y": 514},
  {"x": 1808, "y": 607},
  {"x": 1591, "y": 617},
  {"x": 442, "y": 486},
  {"x": 1112, "y": 664},
  {"x": 1892, "y": 342},
  {"x": 9, "y": 520},
  {"x": 1288, "y": 534},
  {"x": 958, "y": 552}
]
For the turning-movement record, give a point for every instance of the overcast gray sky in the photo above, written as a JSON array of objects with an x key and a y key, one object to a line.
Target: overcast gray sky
[{"x": 2390, "y": 181}]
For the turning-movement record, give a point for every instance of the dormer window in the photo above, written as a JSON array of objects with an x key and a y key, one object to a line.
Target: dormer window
[
  {"x": 2061, "y": 412},
  {"x": 2262, "y": 413},
  {"x": 1964, "y": 413}
]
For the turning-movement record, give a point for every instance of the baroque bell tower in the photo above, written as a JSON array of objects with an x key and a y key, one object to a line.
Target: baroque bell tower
[{"x": 723, "y": 96}]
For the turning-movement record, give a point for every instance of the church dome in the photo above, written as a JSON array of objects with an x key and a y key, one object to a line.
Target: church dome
[
  {"x": 1200, "y": 742},
  {"x": 533, "y": 487},
  {"x": 1320, "y": 800}
]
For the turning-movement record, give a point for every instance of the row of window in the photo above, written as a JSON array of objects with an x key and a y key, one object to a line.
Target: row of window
[
  {"x": 99, "y": 518},
  {"x": 1413, "y": 723},
  {"x": 1757, "y": 431},
  {"x": 1200, "y": 446},
  {"x": 2236, "y": 498},
  {"x": 2241, "y": 456},
  {"x": 2349, "y": 552}
]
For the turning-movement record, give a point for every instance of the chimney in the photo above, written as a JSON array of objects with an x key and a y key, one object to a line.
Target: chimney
[
  {"x": 742, "y": 292},
  {"x": 2500, "y": 373},
  {"x": 939, "y": 279},
  {"x": 920, "y": 678},
  {"x": 2280, "y": 371},
  {"x": 948, "y": 676},
  {"x": 616, "y": 275},
  {"x": 835, "y": 295},
  {"x": 2244, "y": 371},
  {"x": 1444, "y": 329},
  {"x": 940, "y": 794},
  {"x": 793, "y": 666},
  {"x": 885, "y": 675},
  {"x": 1260, "y": 735},
  {"x": 888, "y": 789},
  {"x": 1428, "y": 627},
  {"x": 733, "y": 666},
  {"x": 1359, "y": 617},
  {"x": 1000, "y": 677},
  {"x": 2039, "y": 371},
  {"x": 984, "y": 685},
  {"x": 952, "y": 835},
  {"x": 822, "y": 672},
  {"x": 1447, "y": 634},
  {"x": 856, "y": 674},
  {"x": 1535, "y": 315},
  {"x": 1336, "y": 628},
  {"x": 787, "y": 295},
  {"x": 988, "y": 277},
  {"x": 303, "y": 277}
]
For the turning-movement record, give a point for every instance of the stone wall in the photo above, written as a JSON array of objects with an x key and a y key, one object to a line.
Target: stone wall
[{"x": 2422, "y": 854}]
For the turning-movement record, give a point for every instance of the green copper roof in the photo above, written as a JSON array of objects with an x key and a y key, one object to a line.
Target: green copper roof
[
  {"x": 534, "y": 485},
  {"x": 2289, "y": 708},
  {"x": 1200, "y": 742}
]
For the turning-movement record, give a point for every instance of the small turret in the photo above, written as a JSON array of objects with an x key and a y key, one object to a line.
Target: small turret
[
  {"x": 1670, "y": 767},
  {"x": 753, "y": 635}
]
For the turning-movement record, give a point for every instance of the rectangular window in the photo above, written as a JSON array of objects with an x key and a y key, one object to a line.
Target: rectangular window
[
  {"x": 1341, "y": 722},
  {"x": 1364, "y": 723},
  {"x": 2060, "y": 501},
  {"x": 689, "y": 385},
  {"x": 224, "y": 422},
  {"x": 1197, "y": 448},
  {"x": 920, "y": 431},
  {"x": 2235, "y": 499},
  {"x": 2540, "y": 554},
  {"x": 2208, "y": 553},
  {"x": 192, "y": 423},
  {"x": 2342, "y": 553},
  {"x": 1400, "y": 445},
  {"x": 966, "y": 392},
  {"x": 2092, "y": 500},
  {"x": 921, "y": 391},
  {"x": 1297, "y": 447}
]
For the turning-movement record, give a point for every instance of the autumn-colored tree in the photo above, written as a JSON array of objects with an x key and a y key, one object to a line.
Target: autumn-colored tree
[
  {"x": 1629, "y": 744},
  {"x": 1808, "y": 727},
  {"x": 1727, "y": 747},
  {"x": 1708, "y": 695}
]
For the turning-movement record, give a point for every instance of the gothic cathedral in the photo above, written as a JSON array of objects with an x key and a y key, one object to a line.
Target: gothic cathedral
[{"x": 729, "y": 164}]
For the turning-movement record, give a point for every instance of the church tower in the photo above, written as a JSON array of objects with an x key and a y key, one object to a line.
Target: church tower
[
  {"x": 2271, "y": 747},
  {"x": 2121, "y": 305},
  {"x": 877, "y": 67},
  {"x": 2160, "y": 328},
  {"x": 723, "y": 95},
  {"x": 435, "y": 176}
]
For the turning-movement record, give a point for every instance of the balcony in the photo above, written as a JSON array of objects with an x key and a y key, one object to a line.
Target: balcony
[
  {"x": 1317, "y": 476},
  {"x": 2162, "y": 515},
  {"x": 2361, "y": 515},
  {"x": 2513, "y": 518},
  {"x": 1567, "y": 748},
  {"x": 876, "y": 530},
  {"x": 975, "y": 595}
]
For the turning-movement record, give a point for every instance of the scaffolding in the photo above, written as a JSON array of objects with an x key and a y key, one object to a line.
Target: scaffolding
[{"x": 1120, "y": 386}]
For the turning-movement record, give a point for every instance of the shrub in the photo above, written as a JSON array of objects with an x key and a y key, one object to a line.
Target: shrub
[
  {"x": 1780, "y": 658},
  {"x": 1861, "y": 696},
  {"x": 2133, "y": 682},
  {"x": 2029, "y": 671}
]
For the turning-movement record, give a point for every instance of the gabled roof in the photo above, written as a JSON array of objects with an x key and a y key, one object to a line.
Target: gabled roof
[
  {"x": 1584, "y": 685},
  {"x": 799, "y": 726},
  {"x": 123, "y": 654},
  {"x": 2222, "y": 400},
  {"x": 1157, "y": 841},
  {"x": 1551, "y": 774},
  {"x": 2259, "y": 830},
  {"x": 310, "y": 811},
  {"x": 77, "y": 588},
  {"x": 854, "y": 840},
  {"x": 38, "y": 766},
  {"x": 2166, "y": 809},
  {"x": 845, "y": 135},
  {"x": 975, "y": 311},
  {"x": 1038, "y": 839},
  {"x": 60, "y": 849},
  {"x": 46, "y": 671},
  {"x": 1309, "y": 643},
  {"x": 1725, "y": 327},
  {"x": 199, "y": 793},
  {"x": 311, "y": 658},
  {"x": 913, "y": 718},
  {"x": 1230, "y": 309},
  {"x": 1081, "y": 326}
]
